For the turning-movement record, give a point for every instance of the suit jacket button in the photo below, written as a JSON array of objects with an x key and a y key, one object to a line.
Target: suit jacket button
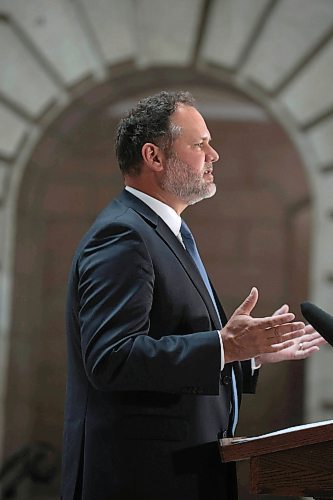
[{"x": 225, "y": 379}]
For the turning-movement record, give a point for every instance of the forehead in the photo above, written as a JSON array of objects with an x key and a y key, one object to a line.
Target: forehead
[{"x": 190, "y": 120}]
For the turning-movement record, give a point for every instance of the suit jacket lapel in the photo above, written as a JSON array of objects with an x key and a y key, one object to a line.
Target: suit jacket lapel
[
  {"x": 176, "y": 247},
  {"x": 187, "y": 262}
]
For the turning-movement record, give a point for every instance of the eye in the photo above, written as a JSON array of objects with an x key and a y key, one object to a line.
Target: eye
[{"x": 199, "y": 144}]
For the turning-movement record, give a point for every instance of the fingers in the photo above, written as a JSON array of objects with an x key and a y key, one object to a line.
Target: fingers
[
  {"x": 282, "y": 310},
  {"x": 310, "y": 329},
  {"x": 278, "y": 336},
  {"x": 303, "y": 353},
  {"x": 274, "y": 352},
  {"x": 307, "y": 343},
  {"x": 249, "y": 303},
  {"x": 281, "y": 346},
  {"x": 282, "y": 332},
  {"x": 283, "y": 341},
  {"x": 312, "y": 336},
  {"x": 312, "y": 339},
  {"x": 273, "y": 321}
]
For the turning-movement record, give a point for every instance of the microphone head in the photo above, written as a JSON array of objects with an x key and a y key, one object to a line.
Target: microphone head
[{"x": 319, "y": 319}]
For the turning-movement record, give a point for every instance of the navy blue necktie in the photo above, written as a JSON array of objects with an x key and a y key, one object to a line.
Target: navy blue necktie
[{"x": 191, "y": 247}]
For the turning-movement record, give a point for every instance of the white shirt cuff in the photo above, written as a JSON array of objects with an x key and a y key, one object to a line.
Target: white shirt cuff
[
  {"x": 254, "y": 366},
  {"x": 222, "y": 350}
]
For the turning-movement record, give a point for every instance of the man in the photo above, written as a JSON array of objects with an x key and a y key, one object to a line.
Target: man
[{"x": 154, "y": 373}]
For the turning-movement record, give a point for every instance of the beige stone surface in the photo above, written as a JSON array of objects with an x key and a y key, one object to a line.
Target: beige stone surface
[
  {"x": 230, "y": 24},
  {"x": 22, "y": 80},
  {"x": 166, "y": 31},
  {"x": 12, "y": 132},
  {"x": 321, "y": 137},
  {"x": 3, "y": 370},
  {"x": 113, "y": 24},
  {"x": 291, "y": 31},
  {"x": 4, "y": 302},
  {"x": 55, "y": 30},
  {"x": 319, "y": 387},
  {"x": 4, "y": 177},
  {"x": 310, "y": 94},
  {"x": 322, "y": 287},
  {"x": 324, "y": 254},
  {"x": 2, "y": 244},
  {"x": 3, "y": 363}
]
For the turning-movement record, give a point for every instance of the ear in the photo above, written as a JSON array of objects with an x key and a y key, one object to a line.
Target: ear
[{"x": 153, "y": 156}]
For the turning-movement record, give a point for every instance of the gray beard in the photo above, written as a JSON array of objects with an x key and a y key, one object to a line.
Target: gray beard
[{"x": 180, "y": 181}]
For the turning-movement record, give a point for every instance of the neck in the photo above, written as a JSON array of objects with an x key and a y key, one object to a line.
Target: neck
[{"x": 157, "y": 193}]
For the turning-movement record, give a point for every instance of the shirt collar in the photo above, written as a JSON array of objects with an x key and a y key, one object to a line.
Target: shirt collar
[{"x": 167, "y": 214}]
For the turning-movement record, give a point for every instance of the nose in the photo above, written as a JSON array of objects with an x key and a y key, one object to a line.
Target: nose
[{"x": 212, "y": 155}]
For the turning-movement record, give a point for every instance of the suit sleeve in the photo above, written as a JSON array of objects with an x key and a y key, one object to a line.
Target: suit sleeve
[{"x": 115, "y": 296}]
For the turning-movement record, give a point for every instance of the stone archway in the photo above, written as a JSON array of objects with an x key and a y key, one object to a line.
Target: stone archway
[{"x": 277, "y": 52}]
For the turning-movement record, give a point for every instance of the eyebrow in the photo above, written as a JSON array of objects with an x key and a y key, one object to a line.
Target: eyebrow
[{"x": 206, "y": 138}]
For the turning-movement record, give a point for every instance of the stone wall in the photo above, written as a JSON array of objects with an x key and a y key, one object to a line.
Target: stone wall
[{"x": 277, "y": 52}]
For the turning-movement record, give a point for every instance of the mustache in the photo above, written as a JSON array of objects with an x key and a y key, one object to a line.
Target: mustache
[{"x": 208, "y": 167}]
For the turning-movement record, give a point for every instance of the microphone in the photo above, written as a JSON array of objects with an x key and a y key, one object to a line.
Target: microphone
[{"x": 319, "y": 319}]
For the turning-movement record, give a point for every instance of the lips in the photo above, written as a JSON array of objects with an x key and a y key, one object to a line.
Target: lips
[{"x": 208, "y": 171}]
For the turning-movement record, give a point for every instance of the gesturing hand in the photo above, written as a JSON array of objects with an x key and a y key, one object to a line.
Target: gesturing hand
[
  {"x": 301, "y": 347},
  {"x": 245, "y": 337}
]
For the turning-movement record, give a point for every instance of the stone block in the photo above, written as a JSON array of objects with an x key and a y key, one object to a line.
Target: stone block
[
  {"x": 72, "y": 199},
  {"x": 4, "y": 352},
  {"x": 4, "y": 174},
  {"x": 310, "y": 94},
  {"x": 166, "y": 31},
  {"x": 266, "y": 244},
  {"x": 324, "y": 196},
  {"x": 319, "y": 388},
  {"x": 324, "y": 250},
  {"x": 2, "y": 253},
  {"x": 250, "y": 205},
  {"x": 12, "y": 132},
  {"x": 229, "y": 27},
  {"x": 322, "y": 290},
  {"x": 22, "y": 80},
  {"x": 113, "y": 23},
  {"x": 323, "y": 294},
  {"x": 56, "y": 31},
  {"x": 321, "y": 137},
  {"x": 3, "y": 365},
  {"x": 292, "y": 30}
]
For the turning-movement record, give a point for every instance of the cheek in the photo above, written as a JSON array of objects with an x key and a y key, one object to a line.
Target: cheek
[
  {"x": 195, "y": 160},
  {"x": 199, "y": 165}
]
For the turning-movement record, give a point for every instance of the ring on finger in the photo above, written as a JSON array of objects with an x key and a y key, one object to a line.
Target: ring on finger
[{"x": 300, "y": 346}]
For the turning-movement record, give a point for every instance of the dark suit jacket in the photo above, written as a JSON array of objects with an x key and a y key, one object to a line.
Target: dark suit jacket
[{"x": 145, "y": 397}]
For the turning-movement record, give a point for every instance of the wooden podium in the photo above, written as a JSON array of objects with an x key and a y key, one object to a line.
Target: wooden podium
[{"x": 292, "y": 462}]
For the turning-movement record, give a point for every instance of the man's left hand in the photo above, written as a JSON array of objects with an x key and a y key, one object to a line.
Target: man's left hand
[{"x": 302, "y": 347}]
